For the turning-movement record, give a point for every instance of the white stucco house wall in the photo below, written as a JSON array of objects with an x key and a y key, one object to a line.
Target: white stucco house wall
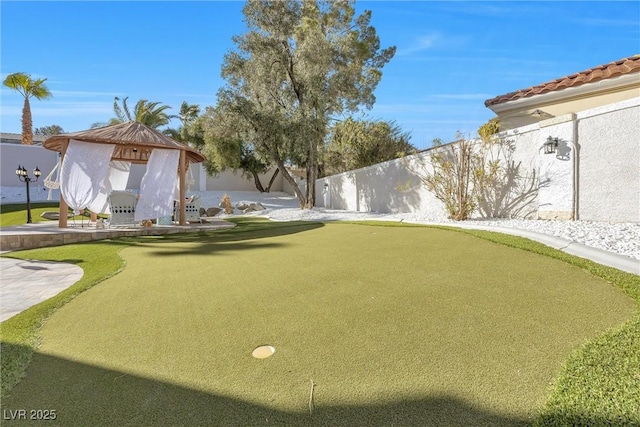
[{"x": 592, "y": 174}]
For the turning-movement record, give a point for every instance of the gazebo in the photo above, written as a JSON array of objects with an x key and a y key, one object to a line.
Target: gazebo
[{"x": 131, "y": 142}]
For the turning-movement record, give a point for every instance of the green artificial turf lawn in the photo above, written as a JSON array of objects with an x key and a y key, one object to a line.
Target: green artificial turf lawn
[
  {"x": 394, "y": 326},
  {"x": 20, "y": 333},
  {"x": 16, "y": 213}
]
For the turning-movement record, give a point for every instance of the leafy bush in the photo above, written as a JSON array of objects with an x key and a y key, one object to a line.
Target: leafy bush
[{"x": 226, "y": 204}]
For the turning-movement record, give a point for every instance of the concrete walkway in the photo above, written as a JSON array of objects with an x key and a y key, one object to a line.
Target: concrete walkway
[
  {"x": 25, "y": 283},
  {"x": 43, "y": 234}
]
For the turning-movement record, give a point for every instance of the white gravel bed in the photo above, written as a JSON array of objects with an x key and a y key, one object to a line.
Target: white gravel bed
[{"x": 620, "y": 238}]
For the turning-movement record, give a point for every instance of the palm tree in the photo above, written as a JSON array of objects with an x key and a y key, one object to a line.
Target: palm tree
[
  {"x": 27, "y": 87},
  {"x": 151, "y": 114},
  {"x": 188, "y": 113}
]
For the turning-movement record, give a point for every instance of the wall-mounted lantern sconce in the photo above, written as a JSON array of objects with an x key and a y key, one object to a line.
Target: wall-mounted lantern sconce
[
  {"x": 551, "y": 145},
  {"x": 23, "y": 176}
]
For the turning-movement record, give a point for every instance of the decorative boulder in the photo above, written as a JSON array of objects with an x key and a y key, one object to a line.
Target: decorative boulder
[
  {"x": 246, "y": 206},
  {"x": 243, "y": 205},
  {"x": 213, "y": 211},
  {"x": 253, "y": 207}
]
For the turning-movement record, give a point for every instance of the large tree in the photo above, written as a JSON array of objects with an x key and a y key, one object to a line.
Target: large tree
[
  {"x": 302, "y": 63},
  {"x": 152, "y": 114},
  {"x": 227, "y": 145},
  {"x": 27, "y": 87},
  {"x": 354, "y": 144}
]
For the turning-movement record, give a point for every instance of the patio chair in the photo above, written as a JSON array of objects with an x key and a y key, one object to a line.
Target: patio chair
[
  {"x": 192, "y": 209},
  {"x": 122, "y": 205}
]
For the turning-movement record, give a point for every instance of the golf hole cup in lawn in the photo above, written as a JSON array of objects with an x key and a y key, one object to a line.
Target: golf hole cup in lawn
[{"x": 263, "y": 352}]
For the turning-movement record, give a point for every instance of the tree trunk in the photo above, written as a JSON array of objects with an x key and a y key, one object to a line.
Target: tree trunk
[
  {"x": 285, "y": 173},
  {"x": 27, "y": 123},
  {"x": 312, "y": 173},
  {"x": 273, "y": 178},
  {"x": 311, "y": 187},
  {"x": 256, "y": 181}
]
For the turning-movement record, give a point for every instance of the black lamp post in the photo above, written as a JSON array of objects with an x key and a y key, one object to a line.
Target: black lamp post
[{"x": 24, "y": 177}]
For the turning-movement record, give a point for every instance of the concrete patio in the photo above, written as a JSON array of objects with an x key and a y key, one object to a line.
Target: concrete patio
[{"x": 43, "y": 234}]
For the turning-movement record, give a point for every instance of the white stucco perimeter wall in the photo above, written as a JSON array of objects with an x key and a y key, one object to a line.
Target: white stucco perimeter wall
[
  {"x": 234, "y": 181},
  {"x": 609, "y": 168},
  {"x": 28, "y": 156},
  {"x": 389, "y": 187},
  {"x": 396, "y": 186},
  {"x": 593, "y": 175},
  {"x": 518, "y": 196}
]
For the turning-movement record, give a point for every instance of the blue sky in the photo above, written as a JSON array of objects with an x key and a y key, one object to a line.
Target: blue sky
[{"x": 451, "y": 56}]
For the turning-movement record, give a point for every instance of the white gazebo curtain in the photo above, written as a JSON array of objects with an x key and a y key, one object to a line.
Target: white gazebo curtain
[
  {"x": 83, "y": 173},
  {"x": 88, "y": 175},
  {"x": 117, "y": 178},
  {"x": 157, "y": 185}
]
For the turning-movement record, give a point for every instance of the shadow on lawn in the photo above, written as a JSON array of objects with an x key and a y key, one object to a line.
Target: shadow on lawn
[
  {"x": 240, "y": 237},
  {"x": 87, "y": 395}
]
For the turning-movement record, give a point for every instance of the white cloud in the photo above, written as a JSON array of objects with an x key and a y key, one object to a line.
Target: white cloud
[
  {"x": 429, "y": 107},
  {"x": 463, "y": 96},
  {"x": 199, "y": 95},
  {"x": 421, "y": 43},
  {"x": 60, "y": 109},
  {"x": 74, "y": 108},
  {"x": 443, "y": 122},
  {"x": 405, "y": 108},
  {"x": 604, "y": 22},
  {"x": 79, "y": 93}
]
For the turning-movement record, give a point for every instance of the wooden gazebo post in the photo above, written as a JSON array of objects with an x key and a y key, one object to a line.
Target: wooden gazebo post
[
  {"x": 64, "y": 208},
  {"x": 183, "y": 172}
]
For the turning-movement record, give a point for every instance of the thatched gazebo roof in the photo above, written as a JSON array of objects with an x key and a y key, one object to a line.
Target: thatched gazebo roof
[{"x": 134, "y": 142}]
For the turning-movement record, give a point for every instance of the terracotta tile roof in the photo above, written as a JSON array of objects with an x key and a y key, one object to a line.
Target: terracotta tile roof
[{"x": 601, "y": 72}]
